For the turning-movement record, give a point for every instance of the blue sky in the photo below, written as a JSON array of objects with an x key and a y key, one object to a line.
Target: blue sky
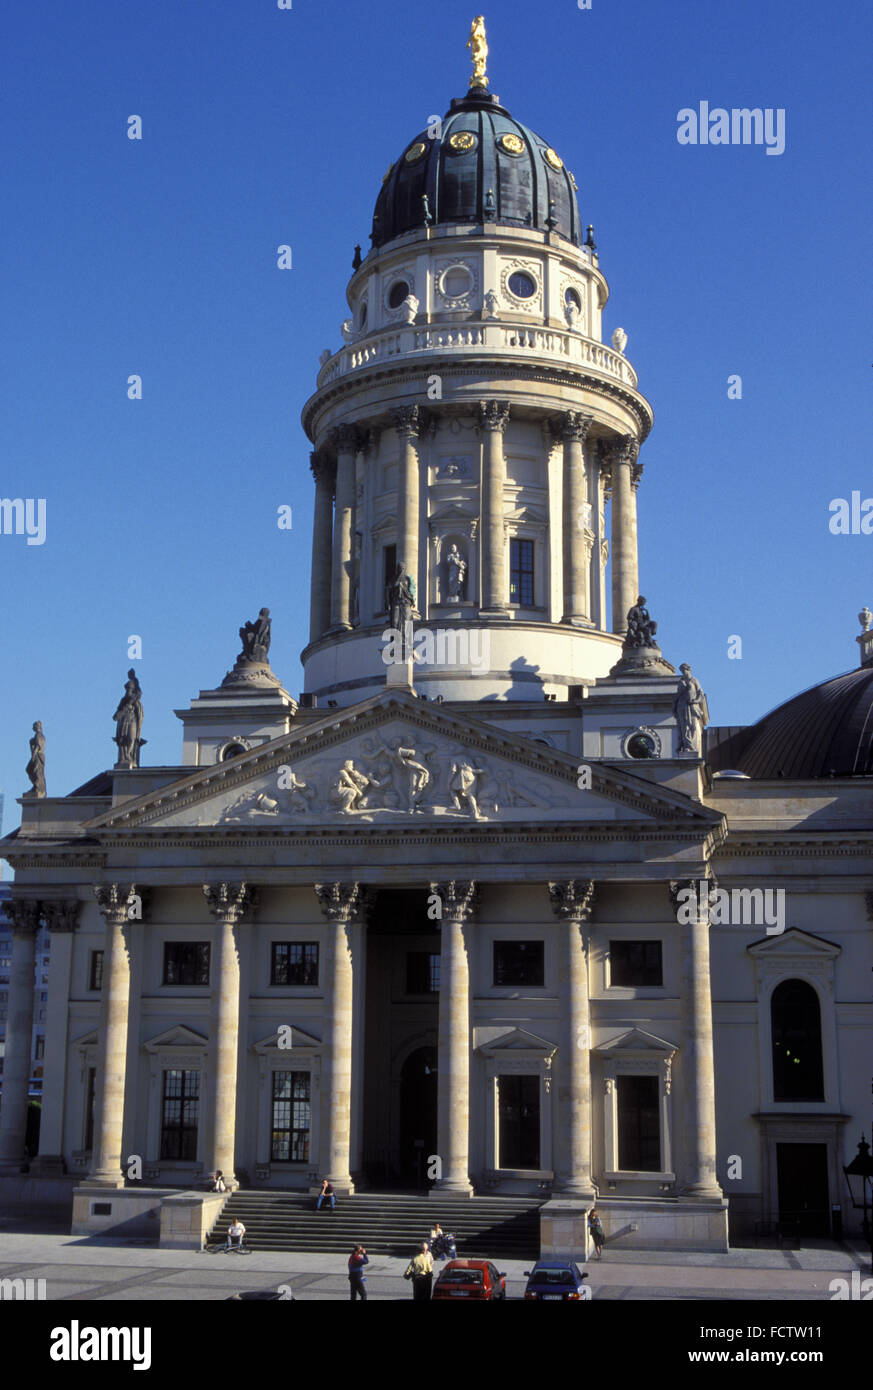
[{"x": 264, "y": 126}]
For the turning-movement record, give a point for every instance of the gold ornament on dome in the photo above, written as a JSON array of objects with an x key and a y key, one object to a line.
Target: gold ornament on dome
[
  {"x": 462, "y": 141},
  {"x": 554, "y": 159},
  {"x": 478, "y": 46},
  {"x": 415, "y": 152},
  {"x": 572, "y": 179},
  {"x": 513, "y": 144}
]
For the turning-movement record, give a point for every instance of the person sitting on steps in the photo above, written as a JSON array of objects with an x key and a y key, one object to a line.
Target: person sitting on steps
[{"x": 326, "y": 1194}]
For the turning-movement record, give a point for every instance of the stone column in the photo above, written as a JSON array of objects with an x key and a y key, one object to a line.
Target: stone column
[
  {"x": 492, "y": 418},
  {"x": 61, "y": 916},
  {"x": 623, "y": 455},
  {"x": 112, "y": 899},
  {"x": 572, "y": 904},
  {"x": 408, "y": 423},
  {"x": 698, "y": 1071},
  {"x": 339, "y": 902},
  {"x": 343, "y": 529},
  {"x": 322, "y": 545},
  {"x": 453, "y": 1065},
  {"x": 595, "y": 568},
  {"x": 578, "y": 518},
  {"x": 24, "y": 915},
  {"x": 228, "y": 903}
]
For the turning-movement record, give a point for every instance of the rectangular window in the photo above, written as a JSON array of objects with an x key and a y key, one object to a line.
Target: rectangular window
[
  {"x": 291, "y": 1117},
  {"x": 519, "y": 963},
  {"x": 294, "y": 963},
  {"x": 90, "y": 1091},
  {"x": 95, "y": 970},
  {"x": 518, "y": 1103},
  {"x": 422, "y": 972},
  {"x": 39, "y": 1047},
  {"x": 639, "y": 1130},
  {"x": 521, "y": 572},
  {"x": 635, "y": 963},
  {"x": 186, "y": 962},
  {"x": 180, "y": 1108},
  {"x": 389, "y": 565}
]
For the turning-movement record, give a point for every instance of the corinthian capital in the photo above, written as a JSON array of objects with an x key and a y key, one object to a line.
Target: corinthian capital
[
  {"x": 348, "y": 439},
  {"x": 692, "y": 899},
  {"x": 338, "y": 901},
  {"x": 621, "y": 450},
  {"x": 112, "y": 900},
  {"x": 24, "y": 914},
  {"x": 572, "y": 425},
  {"x": 459, "y": 898},
  {"x": 62, "y": 915},
  {"x": 573, "y": 899},
  {"x": 492, "y": 415},
  {"x": 408, "y": 420},
  {"x": 322, "y": 467},
  {"x": 229, "y": 901}
]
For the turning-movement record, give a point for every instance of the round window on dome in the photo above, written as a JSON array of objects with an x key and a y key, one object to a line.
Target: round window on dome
[
  {"x": 415, "y": 152},
  {"x": 641, "y": 745},
  {"x": 573, "y": 297},
  {"x": 456, "y": 282},
  {"x": 397, "y": 293},
  {"x": 522, "y": 285}
]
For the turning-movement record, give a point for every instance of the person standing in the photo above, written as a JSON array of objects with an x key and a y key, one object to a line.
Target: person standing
[
  {"x": 357, "y": 1260},
  {"x": 595, "y": 1230},
  {"x": 420, "y": 1271}
]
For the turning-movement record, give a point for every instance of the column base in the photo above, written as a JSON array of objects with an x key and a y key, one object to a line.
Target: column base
[
  {"x": 448, "y": 1187},
  {"x": 577, "y": 620},
  {"x": 701, "y": 1192},
  {"x": 48, "y": 1166},
  {"x": 107, "y": 1180},
  {"x": 574, "y": 1189},
  {"x": 498, "y": 610},
  {"x": 343, "y": 1187}
]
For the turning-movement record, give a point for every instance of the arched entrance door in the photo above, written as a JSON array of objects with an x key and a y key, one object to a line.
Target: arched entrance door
[{"x": 418, "y": 1115}]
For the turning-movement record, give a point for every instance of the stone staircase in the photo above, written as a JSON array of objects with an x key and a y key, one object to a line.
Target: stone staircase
[{"x": 386, "y": 1223}]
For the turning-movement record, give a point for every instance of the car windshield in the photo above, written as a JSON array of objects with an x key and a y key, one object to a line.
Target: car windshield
[
  {"x": 554, "y": 1276},
  {"x": 461, "y": 1276}
]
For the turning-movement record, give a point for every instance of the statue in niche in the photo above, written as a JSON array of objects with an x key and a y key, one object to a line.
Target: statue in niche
[
  {"x": 351, "y": 787},
  {"x": 461, "y": 785},
  {"x": 456, "y": 568},
  {"x": 401, "y": 605},
  {"x": 128, "y": 723},
  {"x": 419, "y": 777},
  {"x": 255, "y": 638},
  {"x": 36, "y": 767},
  {"x": 410, "y": 308},
  {"x": 641, "y": 628},
  {"x": 490, "y": 304},
  {"x": 690, "y": 709}
]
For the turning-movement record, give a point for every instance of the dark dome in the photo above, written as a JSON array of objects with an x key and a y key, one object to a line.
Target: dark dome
[
  {"x": 826, "y": 731},
  {"x": 482, "y": 150}
]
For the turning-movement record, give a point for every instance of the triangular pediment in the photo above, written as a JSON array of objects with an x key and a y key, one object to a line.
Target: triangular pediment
[
  {"x": 395, "y": 760},
  {"x": 794, "y": 942},
  {"x": 636, "y": 1040},
  {"x": 516, "y": 1040},
  {"x": 89, "y": 1039},
  {"x": 178, "y": 1036},
  {"x": 294, "y": 1040}
]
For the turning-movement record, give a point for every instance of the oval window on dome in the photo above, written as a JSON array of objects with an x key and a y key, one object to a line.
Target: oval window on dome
[
  {"x": 511, "y": 144},
  {"x": 456, "y": 281},
  {"x": 415, "y": 152},
  {"x": 397, "y": 293},
  {"x": 362, "y": 314},
  {"x": 641, "y": 745},
  {"x": 462, "y": 142},
  {"x": 573, "y": 297},
  {"x": 522, "y": 285}
]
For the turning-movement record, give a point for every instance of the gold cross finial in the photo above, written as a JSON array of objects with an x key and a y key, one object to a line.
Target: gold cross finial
[{"x": 478, "y": 46}]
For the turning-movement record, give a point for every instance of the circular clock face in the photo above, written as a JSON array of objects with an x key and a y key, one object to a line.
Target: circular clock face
[
  {"x": 415, "y": 152},
  {"x": 462, "y": 142},
  {"x": 554, "y": 159},
  {"x": 511, "y": 144}
]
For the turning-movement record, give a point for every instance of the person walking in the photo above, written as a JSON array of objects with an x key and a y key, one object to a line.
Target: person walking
[
  {"x": 357, "y": 1260},
  {"x": 595, "y": 1230},
  {"x": 420, "y": 1271}
]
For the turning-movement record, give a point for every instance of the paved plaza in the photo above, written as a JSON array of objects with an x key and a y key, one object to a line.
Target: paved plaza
[{"x": 91, "y": 1269}]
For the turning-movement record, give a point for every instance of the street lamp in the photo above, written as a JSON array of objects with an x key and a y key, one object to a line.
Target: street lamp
[{"x": 859, "y": 1180}]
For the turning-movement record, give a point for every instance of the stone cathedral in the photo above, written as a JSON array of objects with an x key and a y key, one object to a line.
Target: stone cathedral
[{"x": 447, "y": 920}]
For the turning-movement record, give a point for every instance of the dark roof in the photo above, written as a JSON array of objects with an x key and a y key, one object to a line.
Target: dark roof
[
  {"x": 524, "y": 173},
  {"x": 827, "y": 731}
]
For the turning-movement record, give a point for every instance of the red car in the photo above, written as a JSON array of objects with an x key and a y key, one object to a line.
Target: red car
[{"x": 470, "y": 1279}]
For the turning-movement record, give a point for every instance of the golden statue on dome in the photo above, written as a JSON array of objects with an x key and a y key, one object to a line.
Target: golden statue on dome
[{"x": 478, "y": 46}]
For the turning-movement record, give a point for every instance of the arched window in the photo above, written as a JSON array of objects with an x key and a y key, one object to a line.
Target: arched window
[{"x": 796, "y": 1027}]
